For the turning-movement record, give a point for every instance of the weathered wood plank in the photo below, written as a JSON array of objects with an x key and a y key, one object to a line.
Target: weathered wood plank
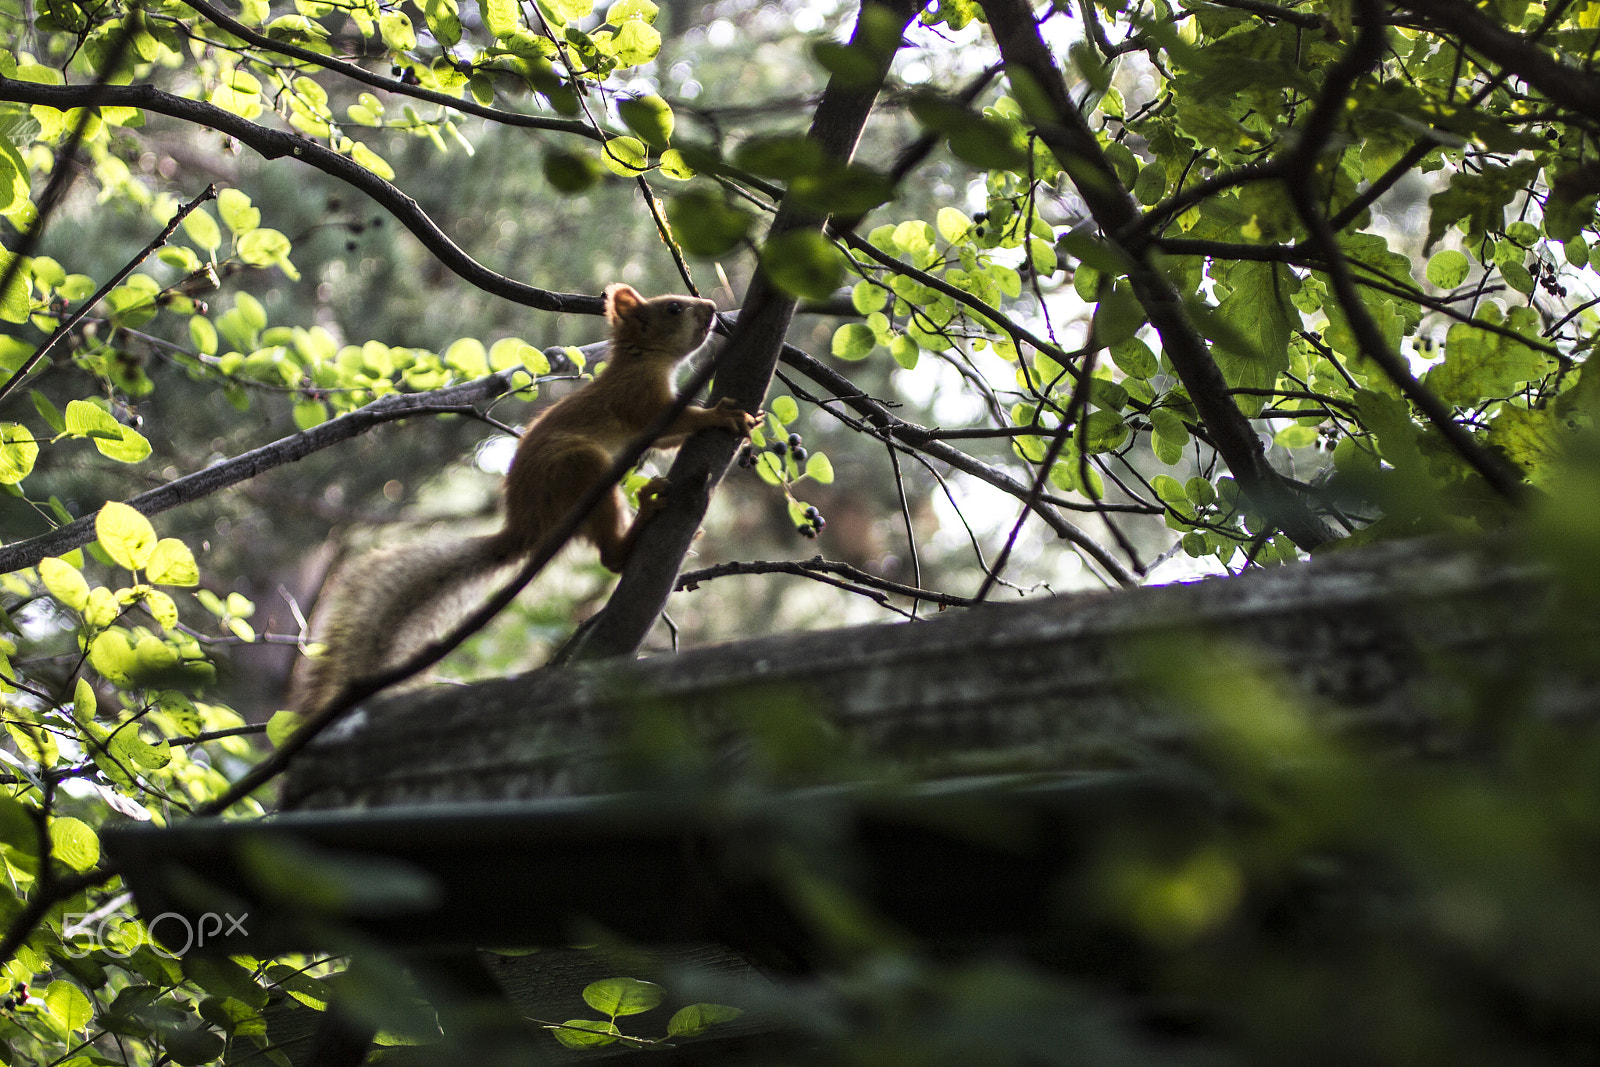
[{"x": 1059, "y": 683}]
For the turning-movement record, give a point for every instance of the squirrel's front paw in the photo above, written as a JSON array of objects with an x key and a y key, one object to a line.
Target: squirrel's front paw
[
  {"x": 653, "y": 496},
  {"x": 740, "y": 421}
]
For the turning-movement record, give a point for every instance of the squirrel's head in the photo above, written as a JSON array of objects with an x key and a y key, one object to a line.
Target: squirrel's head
[{"x": 667, "y": 327}]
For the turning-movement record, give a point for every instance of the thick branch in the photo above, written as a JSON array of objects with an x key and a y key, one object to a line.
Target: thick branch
[
  {"x": 756, "y": 342},
  {"x": 273, "y": 144},
  {"x": 1541, "y": 67},
  {"x": 203, "y": 483}
]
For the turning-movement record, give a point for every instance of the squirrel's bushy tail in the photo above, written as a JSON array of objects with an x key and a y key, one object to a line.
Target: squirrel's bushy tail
[{"x": 384, "y": 606}]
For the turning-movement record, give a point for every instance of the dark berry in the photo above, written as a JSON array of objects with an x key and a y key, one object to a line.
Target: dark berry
[
  {"x": 818, "y": 523},
  {"x": 794, "y": 440},
  {"x": 779, "y": 448},
  {"x": 800, "y": 454},
  {"x": 807, "y": 531},
  {"x": 812, "y": 513}
]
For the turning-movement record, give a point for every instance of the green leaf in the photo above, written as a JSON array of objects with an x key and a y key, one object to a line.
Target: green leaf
[
  {"x": 18, "y": 451},
  {"x": 203, "y": 334},
  {"x": 161, "y": 607},
  {"x": 1251, "y": 328},
  {"x": 114, "y": 440},
  {"x": 953, "y": 226},
  {"x": 636, "y": 42},
  {"x": 13, "y": 179},
  {"x": 47, "y": 411},
  {"x": 1170, "y": 437},
  {"x": 622, "y": 996},
  {"x": 68, "y": 1004},
  {"x": 625, "y": 157},
  {"x": 784, "y": 157},
  {"x": 803, "y": 263},
  {"x": 501, "y": 18},
  {"x": 853, "y": 341},
  {"x": 867, "y": 297},
  {"x": 282, "y": 725},
  {"x": 1517, "y": 277},
  {"x": 1135, "y": 359},
  {"x": 369, "y": 159},
  {"x": 705, "y": 224},
  {"x": 1118, "y": 316},
  {"x": 125, "y": 534},
  {"x": 262, "y": 247},
  {"x": 193, "y": 1047},
  {"x": 65, "y": 582},
  {"x": 905, "y": 350},
  {"x": 1532, "y": 439},
  {"x": 1479, "y": 364},
  {"x": 236, "y": 210},
  {"x": 650, "y": 117},
  {"x": 203, "y": 229},
  {"x": 819, "y": 468},
  {"x": 978, "y": 139},
  {"x": 34, "y": 743},
  {"x": 1297, "y": 436},
  {"x": 623, "y": 10},
  {"x": 309, "y": 412},
  {"x": 1448, "y": 268},
  {"x": 74, "y": 843},
  {"x": 697, "y": 1018},
  {"x": 172, "y": 564},
  {"x": 586, "y": 1033},
  {"x": 397, "y": 31},
  {"x": 1103, "y": 431},
  {"x": 1477, "y": 199},
  {"x": 311, "y": 992},
  {"x": 570, "y": 172}
]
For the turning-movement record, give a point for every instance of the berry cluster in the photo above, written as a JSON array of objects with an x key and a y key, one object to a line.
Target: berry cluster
[
  {"x": 793, "y": 446},
  {"x": 18, "y": 997},
  {"x": 813, "y": 524},
  {"x": 1545, "y": 275}
]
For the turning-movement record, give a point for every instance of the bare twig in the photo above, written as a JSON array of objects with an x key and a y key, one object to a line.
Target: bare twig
[{"x": 71, "y": 321}]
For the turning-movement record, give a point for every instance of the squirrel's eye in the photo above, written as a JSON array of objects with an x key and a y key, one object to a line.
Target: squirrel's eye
[{"x": 674, "y": 307}]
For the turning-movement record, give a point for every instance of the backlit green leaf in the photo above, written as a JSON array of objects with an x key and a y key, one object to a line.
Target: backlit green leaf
[
  {"x": 622, "y": 996},
  {"x": 125, "y": 534}
]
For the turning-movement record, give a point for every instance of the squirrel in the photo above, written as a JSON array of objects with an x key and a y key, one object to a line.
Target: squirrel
[{"x": 390, "y": 603}]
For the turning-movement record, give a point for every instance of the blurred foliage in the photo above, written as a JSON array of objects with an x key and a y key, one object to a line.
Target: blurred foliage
[{"x": 1350, "y": 909}]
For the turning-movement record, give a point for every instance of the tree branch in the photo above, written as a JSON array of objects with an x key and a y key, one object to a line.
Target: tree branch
[
  {"x": 816, "y": 567},
  {"x": 1542, "y": 68},
  {"x": 1039, "y": 86},
  {"x": 757, "y": 341},
  {"x": 927, "y": 441},
  {"x": 1303, "y": 186},
  {"x": 464, "y": 104},
  {"x": 274, "y": 144},
  {"x": 203, "y": 483},
  {"x": 71, "y": 321}
]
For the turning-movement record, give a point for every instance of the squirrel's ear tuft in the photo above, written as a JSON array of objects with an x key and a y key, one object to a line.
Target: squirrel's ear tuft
[{"x": 621, "y": 299}]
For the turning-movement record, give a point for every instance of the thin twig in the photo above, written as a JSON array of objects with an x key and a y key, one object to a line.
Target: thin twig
[{"x": 71, "y": 321}]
